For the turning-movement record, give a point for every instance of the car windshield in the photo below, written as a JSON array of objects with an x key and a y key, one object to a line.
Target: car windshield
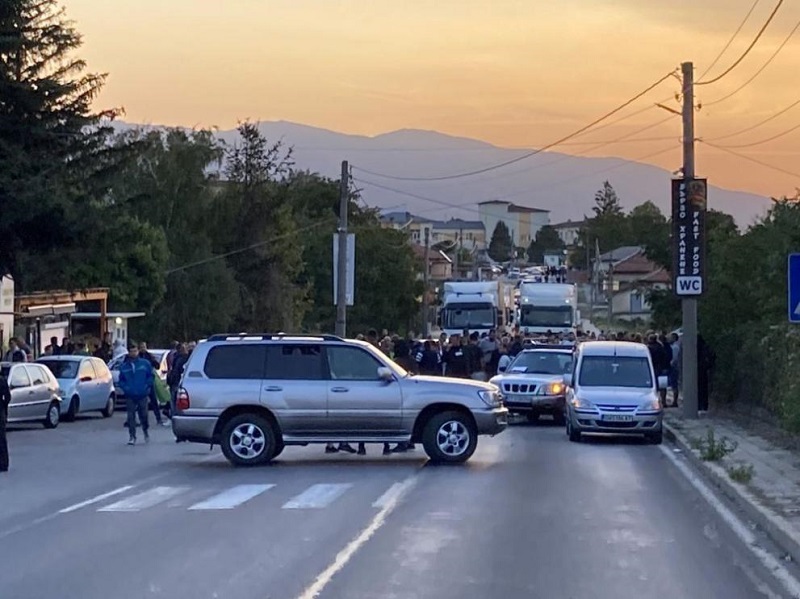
[
  {"x": 62, "y": 369},
  {"x": 539, "y": 316},
  {"x": 542, "y": 362},
  {"x": 468, "y": 316},
  {"x": 615, "y": 371}
]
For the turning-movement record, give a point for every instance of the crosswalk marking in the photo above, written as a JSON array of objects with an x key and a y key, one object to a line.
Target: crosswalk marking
[
  {"x": 144, "y": 500},
  {"x": 231, "y": 498},
  {"x": 317, "y": 496}
]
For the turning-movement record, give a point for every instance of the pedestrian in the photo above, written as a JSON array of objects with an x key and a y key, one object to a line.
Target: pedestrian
[
  {"x": 428, "y": 360},
  {"x": 5, "y": 400},
  {"x": 489, "y": 359},
  {"x": 66, "y": 347},
  {"x": 104, "y": 352},
  {"x": 55, "y": 346},
  {"x": 153, "y": 399},
  {"x": 119, "y": 349},
  {"x": 455, "y": 360},
  {"x": 80, "y": 349},
  {"x": 136, "y": 381},
  {"x": 475, "y": 358},
  {"x": 675, "y": 368},
  {"x": 175, "y": 374},
  {"x": 667, "y": 348},
  {"x": 15, "y": 353},
  {"x": 661, "y": 361}
]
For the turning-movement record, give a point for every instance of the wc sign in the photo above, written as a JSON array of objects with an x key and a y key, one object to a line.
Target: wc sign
[{"x": 689, "y": 198}]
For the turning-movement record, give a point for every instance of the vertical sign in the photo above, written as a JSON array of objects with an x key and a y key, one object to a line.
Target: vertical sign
[
  {"x": 793, "y": 285},
  {"x": 351, "y": 267},
  {"x": 689, "y": 197}
]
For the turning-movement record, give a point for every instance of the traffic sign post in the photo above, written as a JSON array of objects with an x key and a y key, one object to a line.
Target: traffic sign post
[{"x": 793, "y": 284}]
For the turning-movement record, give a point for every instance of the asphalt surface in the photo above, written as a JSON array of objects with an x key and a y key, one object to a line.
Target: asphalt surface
[{"x": 530, "y": 516}]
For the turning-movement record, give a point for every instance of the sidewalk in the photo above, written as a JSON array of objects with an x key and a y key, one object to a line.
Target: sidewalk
[{"x": 770, "y": 498}]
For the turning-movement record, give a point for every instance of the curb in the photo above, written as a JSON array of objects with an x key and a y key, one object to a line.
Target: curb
[{"x": 776, "y": 527}]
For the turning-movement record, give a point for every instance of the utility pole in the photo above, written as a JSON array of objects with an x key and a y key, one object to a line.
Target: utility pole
[
  {"x": 591, "y": 272},
  {"x": 610, "y": 292},
  {"x": 689, "y": 304},
  {"x": 456, "y": 257},
  {"x": 426, "y": 278},
  {"x": 341, "y": 263}
]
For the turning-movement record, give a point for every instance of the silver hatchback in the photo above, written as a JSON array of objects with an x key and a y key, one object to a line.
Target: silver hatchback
[
  {"x": 35, "y": 394},
  {"x": 614, "y": 390},
  {"x": 254, "y": 395}
]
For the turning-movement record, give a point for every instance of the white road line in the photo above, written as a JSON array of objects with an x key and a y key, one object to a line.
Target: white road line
[
  {"x": 98, "y": 499},
  {"x": 144, "y": 500},
  {"x": 769, "y": 561},
  {"x": 231, "y": 498},
  {"x": 346, "y": 554},
  {"x": 317, "y": 496},
  {"x": 391, "y": 493}
]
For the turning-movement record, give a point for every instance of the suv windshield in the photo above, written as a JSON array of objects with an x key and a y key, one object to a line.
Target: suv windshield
[
  {"x": 62, "y": 369},
  {"x": 542, "y": 362},
  {"x": 615, "y": 371}
]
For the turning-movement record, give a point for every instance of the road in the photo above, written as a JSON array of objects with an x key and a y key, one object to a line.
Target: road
[{"x": 532, "y": 515}]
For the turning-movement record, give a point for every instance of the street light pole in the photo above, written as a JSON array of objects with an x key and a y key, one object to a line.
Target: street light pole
[{"x": 341, "y": 263}]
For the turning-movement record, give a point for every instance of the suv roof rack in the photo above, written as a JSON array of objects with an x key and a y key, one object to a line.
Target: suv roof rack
[{"x": 269, "y": 337}]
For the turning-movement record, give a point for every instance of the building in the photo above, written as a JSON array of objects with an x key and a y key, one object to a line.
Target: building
[
  {"x": 468, "y": 234},
  {"x": 523, "y": 223},
  {"x": 569, "y": 232},
  {"x": 6, "y": 310},
  {"x": 415, "y": 226},
  {"x": 631, "y": 275},
  {"x": 440, "y": 264}
]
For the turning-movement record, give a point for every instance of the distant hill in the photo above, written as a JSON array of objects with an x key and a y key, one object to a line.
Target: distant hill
[{"x": 561, "y": 183}]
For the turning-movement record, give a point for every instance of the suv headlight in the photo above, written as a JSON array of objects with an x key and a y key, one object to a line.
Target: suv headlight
[
  {"x": 551, "y": 389},
  {"x": 490, "y": 398},
  {"x": 582, "y": 404},
  {"x": 651, "y": 405}
]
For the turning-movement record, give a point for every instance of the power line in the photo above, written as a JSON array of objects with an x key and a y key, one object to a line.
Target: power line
[
  {"x": 730, "y": 41},
  {"x": 751, "y": 159},
  {"x": 747, "y": 51},
  {"x": 759, "y": 71},
  {"x": 527, "y": 154},
  {"x": 759, "y": 124},
  {"x": 763, "y": 141},
  {"x": 250, "y": 247}
]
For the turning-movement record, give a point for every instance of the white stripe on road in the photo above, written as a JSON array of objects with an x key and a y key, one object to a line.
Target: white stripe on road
[
  {"x": 346, "y": 554},
  {"x": 391, "y": 494},
  {"x": 98, "y": 499},
  {"x": 144, "y": 500},
  {"x": 769, "y": 561},
  {"x": 231, "y": 498},
  {"x": 317, "y": 496}
]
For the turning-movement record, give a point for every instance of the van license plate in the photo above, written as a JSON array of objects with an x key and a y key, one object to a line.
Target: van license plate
[{"x": 617, "y": 418}]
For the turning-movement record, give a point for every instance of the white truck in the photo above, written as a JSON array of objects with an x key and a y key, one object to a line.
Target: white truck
[
  {"x": 474, "y": 307},
  {"x": 547, "y": 307}
]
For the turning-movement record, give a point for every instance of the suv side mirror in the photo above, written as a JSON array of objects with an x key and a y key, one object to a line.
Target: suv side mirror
[{"x": 385, "y": 374}]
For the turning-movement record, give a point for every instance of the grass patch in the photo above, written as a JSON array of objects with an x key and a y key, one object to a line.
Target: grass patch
[
  {"x": 712, "y": 449},
  {"x": 742, "y": 473}
]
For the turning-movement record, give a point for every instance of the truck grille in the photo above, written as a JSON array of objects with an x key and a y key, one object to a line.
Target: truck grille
[{"x": 519, "y": 388}]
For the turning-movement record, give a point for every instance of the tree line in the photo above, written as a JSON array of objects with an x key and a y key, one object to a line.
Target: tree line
[{"x": 202, "y": 236}]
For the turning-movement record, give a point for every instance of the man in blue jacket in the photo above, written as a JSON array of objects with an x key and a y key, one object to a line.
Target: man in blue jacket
[{"x": 136, "y": 382}]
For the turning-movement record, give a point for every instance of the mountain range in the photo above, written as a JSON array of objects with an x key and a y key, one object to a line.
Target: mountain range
[{"x": 561, "y": 183}]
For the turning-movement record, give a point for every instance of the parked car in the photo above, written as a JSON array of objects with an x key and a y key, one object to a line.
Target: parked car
[
  {"x": 86, "y": 385},
  {"x": 255, "y": 394},
  {"x": 34, "y": 394},
  {"x": 533, "y": 383},
  {"x": 614, "y": 389},
  {"x": 113, "y": 365}
]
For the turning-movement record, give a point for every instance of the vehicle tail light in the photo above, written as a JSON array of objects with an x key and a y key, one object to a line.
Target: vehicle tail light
[{"x": 182, "y": 400}]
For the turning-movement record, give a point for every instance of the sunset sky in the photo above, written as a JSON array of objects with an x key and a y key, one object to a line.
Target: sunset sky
[{"x": 513, "y": 73}]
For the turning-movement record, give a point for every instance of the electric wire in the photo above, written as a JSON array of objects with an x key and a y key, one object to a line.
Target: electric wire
[
  {"x": 527, "y": 154},
  {"x": 730, "y": 41},
  {"x": 738, "y": 61},
  {"x": 757, "y": 125},
  {"x": 751, "y": 159},
  {"x": 763, "y": 141},
  {"x": 758, "y": 72}
]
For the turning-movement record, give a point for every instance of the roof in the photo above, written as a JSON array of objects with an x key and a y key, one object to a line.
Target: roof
[
  {"x": 456, "y": 224},
  {"x": 512, "y": 207},
  {"x": 570, "y": 224},
  {"x": 621, "y": 253},
  {"x": 403, "y": 218},
  {"x": 91, "y": 315},
  {"x": 637, "y": 263},
  {"x": 434, "y": 256},
  {"x": 613, "y": 348}
]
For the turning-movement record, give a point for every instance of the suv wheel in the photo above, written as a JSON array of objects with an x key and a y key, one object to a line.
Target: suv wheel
[
  {"x": 248, "y": 440},
  {"x": 574, "y": 436},
  {"x": 450, "y": 438}
]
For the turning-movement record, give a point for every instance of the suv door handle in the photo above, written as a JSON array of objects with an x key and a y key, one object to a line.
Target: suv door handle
[
  {"x": 273, "y": 388},
  {"x": 340, "y": 389}
]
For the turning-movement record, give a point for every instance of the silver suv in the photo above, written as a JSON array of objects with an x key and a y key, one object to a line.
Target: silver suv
[{"x": 255, "y": 394}]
